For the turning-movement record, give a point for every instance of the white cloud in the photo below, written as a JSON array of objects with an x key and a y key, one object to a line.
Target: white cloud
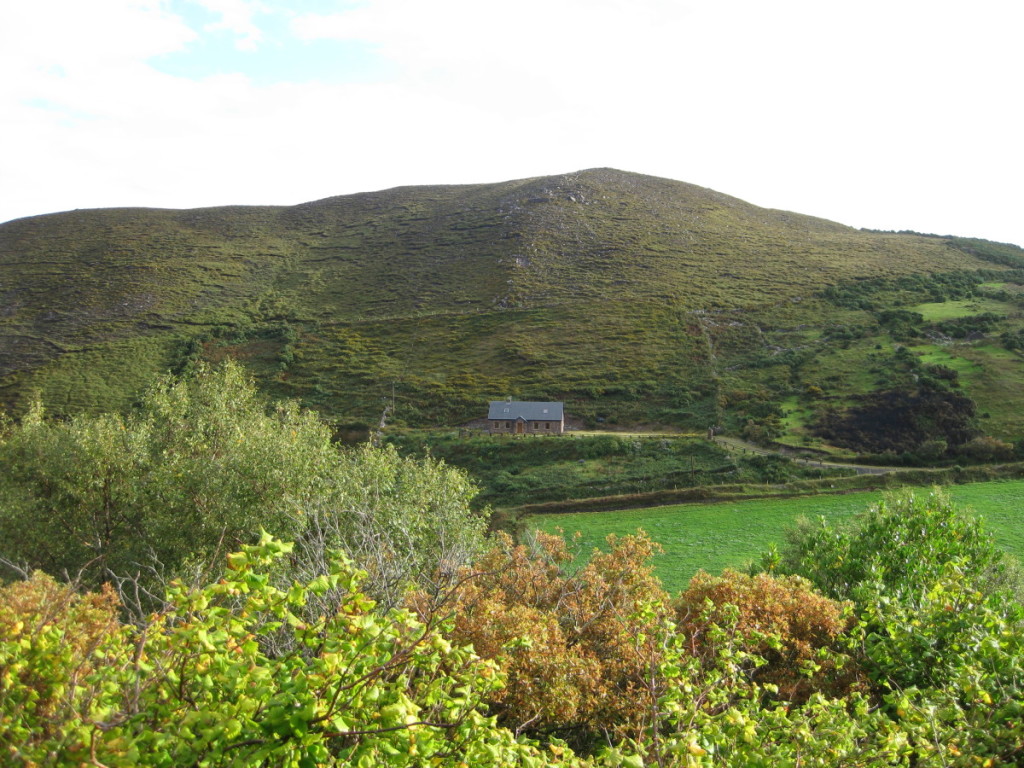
[
  {"x": 237, "y": 17},
  {"x": 568, "y": 51},
  {"x": 68, "y": 34},
  {"x": 894, "y": 115}
]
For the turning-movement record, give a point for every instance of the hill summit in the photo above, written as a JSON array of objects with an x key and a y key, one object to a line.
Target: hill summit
[{"x": 633, "y": 298}]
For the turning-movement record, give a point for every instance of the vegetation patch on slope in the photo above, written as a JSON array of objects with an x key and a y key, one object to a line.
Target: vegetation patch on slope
[{"x": 632, "y": 298}]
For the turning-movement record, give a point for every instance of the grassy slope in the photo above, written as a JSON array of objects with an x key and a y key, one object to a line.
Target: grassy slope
[
  {"x": 636, "y": 299},
  {"x": 513, "y": 472}
]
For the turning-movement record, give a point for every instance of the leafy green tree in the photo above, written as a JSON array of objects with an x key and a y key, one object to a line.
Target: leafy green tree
[
  {"x": 197, "y": 469},
  {"x": 69, "y": 492},
  {"x": 408, "y": 522},
  {"x": 223, "y": 463}
]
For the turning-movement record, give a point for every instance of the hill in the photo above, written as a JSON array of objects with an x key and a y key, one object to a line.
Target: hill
[{"x": 636, "y": 299}]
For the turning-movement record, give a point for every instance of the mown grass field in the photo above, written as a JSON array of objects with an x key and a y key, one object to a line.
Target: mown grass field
[
  {"x": 947, "y": 310},
  {"x": 731, "y": 534}
]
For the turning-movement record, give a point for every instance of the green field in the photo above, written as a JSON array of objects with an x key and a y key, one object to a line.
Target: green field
[
  {"x": 716, "y": 536},
  {"x": 946, "y": 310}
]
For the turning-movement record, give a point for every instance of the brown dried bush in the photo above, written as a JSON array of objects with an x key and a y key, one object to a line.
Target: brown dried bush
[
  {"x": 577, "y": 653},
  {"x": 782, "y": 619}
]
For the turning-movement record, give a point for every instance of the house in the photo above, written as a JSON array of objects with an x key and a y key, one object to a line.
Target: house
[{"x": 523, "y": 417}]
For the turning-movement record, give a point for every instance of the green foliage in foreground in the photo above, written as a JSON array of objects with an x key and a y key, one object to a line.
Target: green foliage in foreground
[
  {"x": 283, "y": 657},
  {"x": 238, "y": 673},
  {"x": 203, "y": 683}
]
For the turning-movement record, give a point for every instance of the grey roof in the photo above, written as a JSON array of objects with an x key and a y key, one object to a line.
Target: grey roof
[{"x": 524, "y": 409}]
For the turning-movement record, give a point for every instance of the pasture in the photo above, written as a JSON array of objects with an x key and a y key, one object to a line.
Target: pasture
[{"x": 731, "y": 534}]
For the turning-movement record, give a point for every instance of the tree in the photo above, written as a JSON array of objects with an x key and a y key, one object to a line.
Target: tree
[
  {"x": 198, "y": 469},
  {"x": 408, "y": 522}
]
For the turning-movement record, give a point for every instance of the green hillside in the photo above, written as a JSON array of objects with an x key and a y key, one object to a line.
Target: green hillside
[{"x": 638, "y": 300}]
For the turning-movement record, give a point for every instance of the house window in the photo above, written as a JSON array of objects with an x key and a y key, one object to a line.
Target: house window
[
  {"x": 496, "y": 425},
  {"x": 547, "y": 425},
  {"x": 508, "y": 425},
  {"x": 535, "y": 425}
]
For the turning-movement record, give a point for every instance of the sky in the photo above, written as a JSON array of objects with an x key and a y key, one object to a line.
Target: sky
[{"x": 882, "y": 114}]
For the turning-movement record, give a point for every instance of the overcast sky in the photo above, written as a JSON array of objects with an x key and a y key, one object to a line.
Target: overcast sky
[{"x": 888, "y": 114}]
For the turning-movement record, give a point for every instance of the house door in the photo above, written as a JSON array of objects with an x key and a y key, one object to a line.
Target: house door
[{"x": 519, "y": 427}]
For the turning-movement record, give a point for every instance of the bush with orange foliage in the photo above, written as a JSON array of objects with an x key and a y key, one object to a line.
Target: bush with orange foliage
[
  {"x": 578, "y": 655},
  {"x": 782, "y": 619}
]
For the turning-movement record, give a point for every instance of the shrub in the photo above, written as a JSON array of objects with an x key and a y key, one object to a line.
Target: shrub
[
  {"x": 902, "y": 545},
  {"x": 782, "y": 620},
  {"x": 51, "y": 640},
  {"x": 984, "y": 448},
  {"x": 205, "y": 682},
  {"x": 199, "y": 468},
  {"x": 566, "y": 640},
  {"x": 406, "y": 521}
]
